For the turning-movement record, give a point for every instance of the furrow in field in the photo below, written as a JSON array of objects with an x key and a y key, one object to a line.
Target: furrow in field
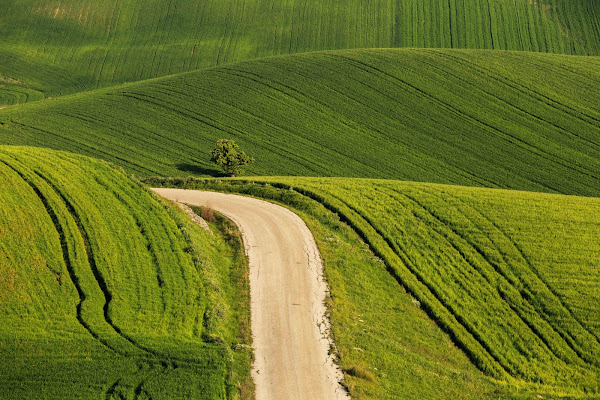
[
  {"x": 300, "y": 99},
  {"x": 405, "y": 114},
  {"x": 464, "y": 114},
  {"x": 415, "y": 283},
  {"x": 526, "y": 93},
  {"x": 160, "y": 279},
  {"x": 579, "y": 337},
  {"x": 70, "y": 251},
  {"x": 438, "y": 293},
  {"x": 451, "y": 246},
  {"x": 382, "y": 111},
  {"x": 519, "y": 303},
  {"x": 67, "y": 249},
  {"x": 204, "y": 118},
  {"x": 526, "y": 90},
  {"x": 99, "y": 278},
  {"x": 289, "y": 322},
  {"x": 569, "y": 125},
  {"x": 155, "y": 358},
  {"x": 113, "y": 132},
  {"x": 113, "y": 42},
  {"x": 82, "y": 145},
  {"x": 161, "y": 287}
]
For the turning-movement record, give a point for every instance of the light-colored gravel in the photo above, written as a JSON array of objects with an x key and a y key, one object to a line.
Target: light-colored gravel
[{"x": 198, "y": 220}]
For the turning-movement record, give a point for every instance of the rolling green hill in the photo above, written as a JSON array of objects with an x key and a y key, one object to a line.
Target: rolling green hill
[
  {"x": 106, "y": 290},
  {"x": 484, "y": 118},
  {"x": 57, "y": 47},
  {"x": 512, "y": 277}
]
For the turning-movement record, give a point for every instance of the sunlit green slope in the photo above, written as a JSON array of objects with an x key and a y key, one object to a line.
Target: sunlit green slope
[
  {"x": 513, "y": 276},
  {"x": 64, "y": 46},
  {"x": 104, "y": 290},
  {"x": 488, "y": 118}
]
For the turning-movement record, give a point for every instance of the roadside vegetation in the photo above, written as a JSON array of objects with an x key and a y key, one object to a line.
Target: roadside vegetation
[
  {"x": 479, "y": 118},
  {"x": 105, "y": 289},
  {"x": 509, "y": 276}
]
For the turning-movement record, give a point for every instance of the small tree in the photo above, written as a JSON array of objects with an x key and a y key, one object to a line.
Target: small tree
[{"x": 230, "y": 157}]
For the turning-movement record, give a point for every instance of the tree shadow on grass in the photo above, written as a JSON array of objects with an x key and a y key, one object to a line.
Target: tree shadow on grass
[{"x": 199, "y": 170}]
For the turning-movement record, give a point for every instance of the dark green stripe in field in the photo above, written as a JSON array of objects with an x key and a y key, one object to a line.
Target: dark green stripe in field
[
  {"x": 486, "y": 118},
  {"x": 517, "y": 271},
  {"x": 104, "y": 289},
  {"x": 511, "y": 276},
  {"x": 65, "y": 46}
]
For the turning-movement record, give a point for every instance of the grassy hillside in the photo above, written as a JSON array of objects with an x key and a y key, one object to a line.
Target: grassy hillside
[
  {"x": 485, "y": 118},
  {"x": 106, "y": 290},
  {"x": 511, "y": 276},
  {"x": 65, "y": 46}
]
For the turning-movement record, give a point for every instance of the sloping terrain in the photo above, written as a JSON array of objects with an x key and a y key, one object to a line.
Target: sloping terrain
[
  {"x": 389, "y": 347},
  {"x": 512, "y": 276},
  {"x": 66, "y": 46},
  {"x": 496, "y": 119},
  {"x": 104, "y": 289}
]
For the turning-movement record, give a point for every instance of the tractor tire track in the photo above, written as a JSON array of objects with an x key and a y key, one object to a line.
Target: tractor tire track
[{"x": 149, "y": 360}]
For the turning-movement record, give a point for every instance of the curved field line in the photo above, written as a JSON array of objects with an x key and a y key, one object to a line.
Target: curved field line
[
  {"x": 65, "y": 254},
  {"x": 578, "y": 356},
  {"x": 148, "y": 358},
  {"x": 494, "y": 359},
  {"x": 101, "y": 282},
  {"x": 530, "y": 324},
  {"x": 545, "y": 284},
  {"x": 405, "y": 259},
  {"x": 82, "y": 144},
  {"x": 145, "y": 362},
  {"x": 514, "y": 140}
]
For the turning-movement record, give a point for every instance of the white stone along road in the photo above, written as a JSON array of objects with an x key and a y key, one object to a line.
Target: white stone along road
[{"x": 287, "y": 291}]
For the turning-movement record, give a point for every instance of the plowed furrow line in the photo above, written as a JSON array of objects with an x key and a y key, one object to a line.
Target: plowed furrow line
[
  {"x": 65, "y": 253},
  {"x": 101, "y": 282},
  {"x": 498, "y": 363},
  {"x": 519, "y": 312}
]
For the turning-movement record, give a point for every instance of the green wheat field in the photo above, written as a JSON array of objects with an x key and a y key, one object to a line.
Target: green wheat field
[{"x": 444, "y": 153}]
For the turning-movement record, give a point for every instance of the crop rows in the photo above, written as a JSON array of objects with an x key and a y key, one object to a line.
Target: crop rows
[
  {"x": 66, "y": 46},
  {"x": 15, "y": 94},
  {"x": 511, "y": 276},
  {"x": 91, "y": 260},
  {"x": 496, "y": 119}
]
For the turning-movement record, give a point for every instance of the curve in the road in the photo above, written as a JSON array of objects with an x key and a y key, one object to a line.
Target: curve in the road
[{"x": 287, "y": 290}]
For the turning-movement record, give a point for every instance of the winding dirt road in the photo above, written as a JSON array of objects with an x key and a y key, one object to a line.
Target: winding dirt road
[{"x": 287, "y": 291}]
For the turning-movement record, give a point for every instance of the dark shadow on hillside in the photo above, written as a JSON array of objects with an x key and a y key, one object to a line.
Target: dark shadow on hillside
[{"x": 199, "y": 170}]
